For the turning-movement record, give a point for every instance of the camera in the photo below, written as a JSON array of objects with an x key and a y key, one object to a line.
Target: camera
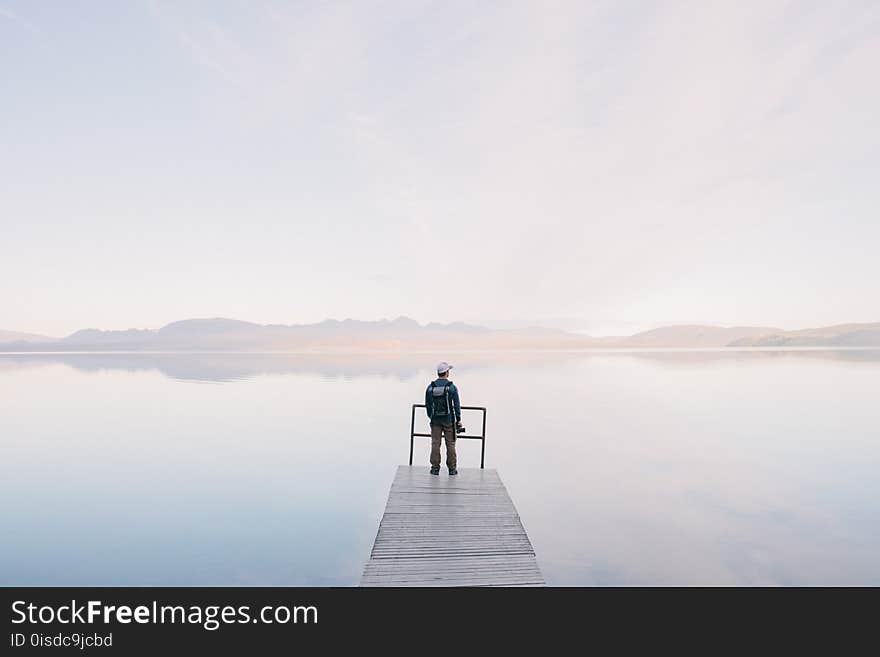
[{"x": 459, "y": 428}]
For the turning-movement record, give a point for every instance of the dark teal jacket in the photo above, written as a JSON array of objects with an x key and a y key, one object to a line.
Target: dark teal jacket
[{"x": 453, "y": 393}]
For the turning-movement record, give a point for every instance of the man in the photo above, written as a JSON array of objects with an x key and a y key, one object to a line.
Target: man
[{"x": 444, "y": 410}]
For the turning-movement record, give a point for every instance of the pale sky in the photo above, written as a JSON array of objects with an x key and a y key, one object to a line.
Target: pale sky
[{"x": 614, "y": 164}]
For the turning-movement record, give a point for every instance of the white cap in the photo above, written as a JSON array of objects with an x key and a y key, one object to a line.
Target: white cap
[{"x": 443, "y": 366}]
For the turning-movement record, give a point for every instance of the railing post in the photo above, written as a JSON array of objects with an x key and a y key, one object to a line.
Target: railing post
[
  {"x": 412, "y": 432},
  {"x": 483, "y": 442}
]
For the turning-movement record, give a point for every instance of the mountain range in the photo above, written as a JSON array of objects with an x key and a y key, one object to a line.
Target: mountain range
[
  {"x": 17, "y": 336},
  {"x": 403, "y": 333}
]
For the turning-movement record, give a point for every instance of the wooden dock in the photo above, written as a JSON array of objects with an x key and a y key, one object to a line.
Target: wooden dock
[{"x": 450, "y": 531}]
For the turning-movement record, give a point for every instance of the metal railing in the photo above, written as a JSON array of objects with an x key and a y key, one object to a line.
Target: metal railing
[{"x": 481, "y": 438}]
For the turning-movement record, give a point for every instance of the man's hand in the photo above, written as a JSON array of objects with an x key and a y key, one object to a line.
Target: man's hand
[{"x": 459, "y": 428}]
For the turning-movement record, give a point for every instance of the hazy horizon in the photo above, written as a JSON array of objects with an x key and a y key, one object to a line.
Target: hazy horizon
[
  {"x": 490, "y": 324},
  {"x": 605, "y": 167}
]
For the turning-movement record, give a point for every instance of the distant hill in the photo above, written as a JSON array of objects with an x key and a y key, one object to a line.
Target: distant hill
[
  {"x": 16, "y": 336},
  {"x": 403, "y": 333},
  {"x": 840, "y": 335},
  {"x": 695, "y": 335}
]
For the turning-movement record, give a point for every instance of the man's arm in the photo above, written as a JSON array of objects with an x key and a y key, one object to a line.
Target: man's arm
[
  {"x": 428, "y": 401},
  {"x": 456, "y": 403}
]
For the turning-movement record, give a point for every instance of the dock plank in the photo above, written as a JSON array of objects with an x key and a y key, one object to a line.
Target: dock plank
[{"x": 450, "y": 531}]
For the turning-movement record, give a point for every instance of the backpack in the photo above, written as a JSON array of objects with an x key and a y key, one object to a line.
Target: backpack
[{"x": 441, "y": 401}]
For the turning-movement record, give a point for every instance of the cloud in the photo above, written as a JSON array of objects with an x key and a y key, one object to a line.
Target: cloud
[
  {"x": 633, "y": 162},
  {"x": 24, "y": 23}
]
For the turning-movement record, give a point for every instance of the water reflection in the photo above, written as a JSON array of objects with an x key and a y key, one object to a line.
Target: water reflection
[
  {"x": 661, "y": 467},
  {"x": 229, "y": 367}
]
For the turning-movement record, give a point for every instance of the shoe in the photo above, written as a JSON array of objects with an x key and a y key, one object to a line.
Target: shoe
[
  {"x": 453, "y": 471},
  {"x": 435, "y": 469}
]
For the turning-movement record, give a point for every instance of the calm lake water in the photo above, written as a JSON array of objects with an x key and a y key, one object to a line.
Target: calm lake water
[{"x": 699, "y": 467}]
